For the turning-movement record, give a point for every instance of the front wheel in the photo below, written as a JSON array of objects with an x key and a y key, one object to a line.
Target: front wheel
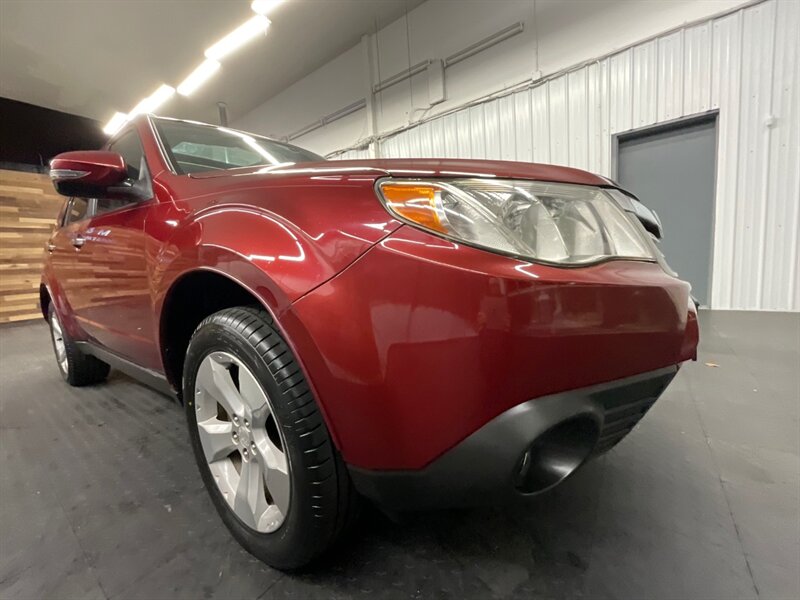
[{"x": 264, "y": 452}]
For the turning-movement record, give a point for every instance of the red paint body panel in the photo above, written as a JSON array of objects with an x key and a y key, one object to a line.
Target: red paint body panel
[
  {"x": 441, "y": 338},
  {"x": 411, "y": 342}
]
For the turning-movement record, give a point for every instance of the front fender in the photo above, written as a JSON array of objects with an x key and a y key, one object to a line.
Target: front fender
[
  {"x": 260, "y": 249},
  {"x": 59, "y": 301},
  {"x": 278, "y": 265},
  {"x": 250, "y": 246},
  {"x": 312, "y": 233}
]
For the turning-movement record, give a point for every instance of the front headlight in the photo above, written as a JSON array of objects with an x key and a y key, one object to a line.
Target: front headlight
[{"x": 545, "y": 222}]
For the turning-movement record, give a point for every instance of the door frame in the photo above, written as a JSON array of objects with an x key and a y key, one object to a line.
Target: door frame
[{"x": 709, "y": 116}]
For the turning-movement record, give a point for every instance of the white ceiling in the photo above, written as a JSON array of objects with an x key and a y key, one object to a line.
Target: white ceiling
[{"x": 93, "y": 57}]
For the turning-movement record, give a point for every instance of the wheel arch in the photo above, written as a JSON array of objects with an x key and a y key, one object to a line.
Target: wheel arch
[
  {"x": 191, "y": 297},
  {"x": 44, "y": 300},
  {"x": 176, "y": 325}
]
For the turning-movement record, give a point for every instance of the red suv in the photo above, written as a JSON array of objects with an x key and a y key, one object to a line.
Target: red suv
[{"x": 422, "y": 333}]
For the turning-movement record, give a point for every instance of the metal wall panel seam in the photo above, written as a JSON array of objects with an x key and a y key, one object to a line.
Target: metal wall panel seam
[{"x": 767, "y": 152}]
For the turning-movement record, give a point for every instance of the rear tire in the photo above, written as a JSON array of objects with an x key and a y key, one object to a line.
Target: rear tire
[
  {"x": 77, "y": 369},
  {"x": 237, "y": 361}
]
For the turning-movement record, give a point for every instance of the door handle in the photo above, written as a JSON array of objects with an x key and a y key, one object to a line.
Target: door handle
[
  {"x": 51, "y": 247},
  {"x": 78, "y": 241}
]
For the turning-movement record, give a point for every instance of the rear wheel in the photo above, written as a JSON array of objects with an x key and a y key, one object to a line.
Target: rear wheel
[
  {"x": 263, "y": 450},
  {"x": 76, "y": 368}
]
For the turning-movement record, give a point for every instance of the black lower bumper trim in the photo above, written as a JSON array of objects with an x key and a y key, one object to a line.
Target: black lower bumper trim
[{"x": 484, "y": 467}]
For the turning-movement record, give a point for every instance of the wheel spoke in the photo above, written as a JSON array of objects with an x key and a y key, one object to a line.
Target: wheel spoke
[
  {"x": 276, "y": 474},
  {"x": 279, "y": 486},
  {"x": 253, "y": 396},
  {"x": 226, "y": 477},
  {"x": 215, "y": 379},
  {"x": 58, "y": 343},
  {"x": 215, "y": 437},
  {"x": 250, "y": 502}
]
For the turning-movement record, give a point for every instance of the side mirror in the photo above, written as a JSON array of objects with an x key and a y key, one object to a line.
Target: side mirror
[{"x": 92, "y": 174}]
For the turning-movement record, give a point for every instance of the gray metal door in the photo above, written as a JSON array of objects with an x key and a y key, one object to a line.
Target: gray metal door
[{"x": 672, "y": 170}]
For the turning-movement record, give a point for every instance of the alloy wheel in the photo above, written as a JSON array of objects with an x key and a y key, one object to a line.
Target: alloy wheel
[
  {"x": 59, "y": 344},
  {"x": 242, "y": 442}
]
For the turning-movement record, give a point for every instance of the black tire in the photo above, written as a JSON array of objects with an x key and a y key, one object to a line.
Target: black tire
[
  {"x": 323, "y": 502},
  {"x": 81, "y": 369}
]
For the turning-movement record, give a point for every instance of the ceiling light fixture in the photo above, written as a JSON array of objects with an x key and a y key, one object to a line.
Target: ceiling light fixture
[
  {"x": 258, "y": 24},
  {"x": 153, "y": 101},
  {"x": 161, "y": 95},
  {"x": 198, "y": 77},
  {"x": 238, "y": 37},
  {"x": 264, "y": 7},
  {"x": 115, "y": 123}
]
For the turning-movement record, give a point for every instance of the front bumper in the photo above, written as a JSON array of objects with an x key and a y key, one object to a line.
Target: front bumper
[
  {"x": 422, "y": 341},
  {"x": 485, "y": 467}
]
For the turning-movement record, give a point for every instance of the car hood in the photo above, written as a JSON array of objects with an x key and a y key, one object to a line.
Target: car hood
[{"x": 397, "y": 167}]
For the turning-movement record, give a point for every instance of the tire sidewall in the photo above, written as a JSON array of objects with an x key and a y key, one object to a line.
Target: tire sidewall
[{"x": 283, "y": 548}]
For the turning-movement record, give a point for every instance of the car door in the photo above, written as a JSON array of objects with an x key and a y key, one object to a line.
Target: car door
[
  {"x": 120, "y": 315},
  {"x": 65, "y": 247}
]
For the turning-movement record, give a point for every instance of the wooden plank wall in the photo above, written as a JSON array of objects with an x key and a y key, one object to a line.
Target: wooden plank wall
[{"x": 28, "y": 209}]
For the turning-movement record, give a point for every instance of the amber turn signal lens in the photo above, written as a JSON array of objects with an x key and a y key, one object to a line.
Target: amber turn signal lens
[{"x": 417, "y": 203}]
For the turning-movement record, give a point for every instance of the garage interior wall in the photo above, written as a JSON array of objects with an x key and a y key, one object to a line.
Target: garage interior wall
[{"x": 530, "y": 97}]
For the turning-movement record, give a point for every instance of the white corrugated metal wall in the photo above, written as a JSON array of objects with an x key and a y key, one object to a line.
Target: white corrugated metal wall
[{"x": 745, "y": 65}]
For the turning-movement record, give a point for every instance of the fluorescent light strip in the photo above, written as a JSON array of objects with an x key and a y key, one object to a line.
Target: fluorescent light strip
[
  {"x": 146, "y": 105},
  {"x": 198, "y": 77},
  {"x": 153, "y": 101},
  {"x": 238, "y": 37},
  {"x": 139, "y": 108},
  {"x": 115, "y": 123},
  {"x": 264, "y": 7},
  {"x": 161, "y": 95},
  {"x": 231, "y": 42}
]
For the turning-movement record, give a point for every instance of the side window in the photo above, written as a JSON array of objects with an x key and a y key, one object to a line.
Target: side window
[
  {"x": 130, "y": 148},
  {"x": 78, "y": 209},
  {"x": 104, "y": 205}
]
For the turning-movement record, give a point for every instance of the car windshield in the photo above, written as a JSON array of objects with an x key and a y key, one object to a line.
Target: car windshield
[{"x": 196, "y": 147}]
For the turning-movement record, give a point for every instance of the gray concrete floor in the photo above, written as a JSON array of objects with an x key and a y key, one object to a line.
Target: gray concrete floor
[{"x": 100, "y": 497}]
